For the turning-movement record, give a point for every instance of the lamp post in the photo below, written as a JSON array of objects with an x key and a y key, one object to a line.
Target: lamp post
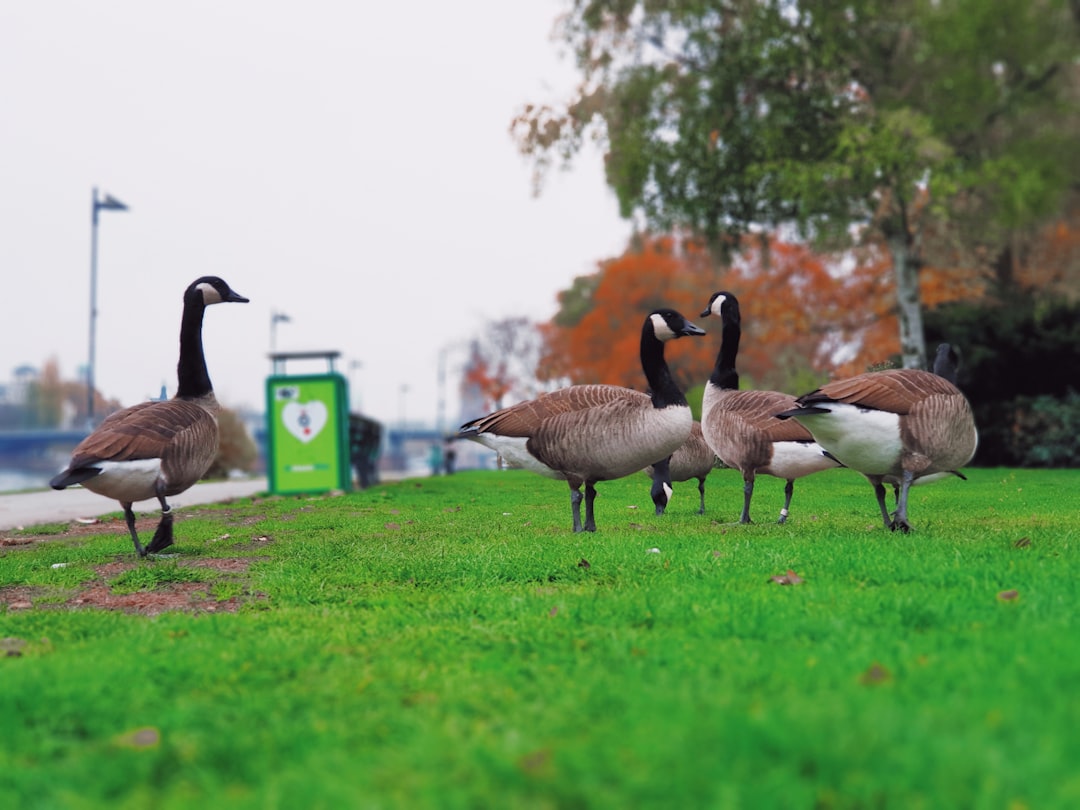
[
  {"x": 354, "y": 389},
  {"x": 403, "y": 390},
  {"x": 110, "y": 203},
  {"x": 276, "y": 318}
]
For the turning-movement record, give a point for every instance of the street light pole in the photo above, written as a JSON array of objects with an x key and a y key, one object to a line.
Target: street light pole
[
  {"x": 109, "y": 204},
  {"x": 354, "y": 389},
  {"x": 276, "y": 318}
]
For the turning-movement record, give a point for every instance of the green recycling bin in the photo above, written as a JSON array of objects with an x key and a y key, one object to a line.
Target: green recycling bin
[{"x": 307, "y": 432}]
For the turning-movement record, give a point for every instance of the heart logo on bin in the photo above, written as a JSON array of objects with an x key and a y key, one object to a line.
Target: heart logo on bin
[{"x": 304, "y": 420}]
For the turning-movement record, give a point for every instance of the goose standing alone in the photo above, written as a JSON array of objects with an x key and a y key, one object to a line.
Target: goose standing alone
[
  {"x": 897, "y": 426},
  {"x": 695, "y": 459},
  {"x": 589, "y": 433},
  {"x": 158, "y": 449},
  {"x": 740, "y": 426}
]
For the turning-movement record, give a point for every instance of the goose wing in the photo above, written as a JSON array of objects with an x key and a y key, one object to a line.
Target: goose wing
[
  {"x": 893, "y": 390},
  {"x": 620, "y": 433},
  {"x": 144, "y": 431},
  {"x": 524, "y": 419},
  {"x": 754, "y": 412}
]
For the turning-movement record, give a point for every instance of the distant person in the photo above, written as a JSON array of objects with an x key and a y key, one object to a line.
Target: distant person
[
  {"x": 449, "y": 457},
  {"x": 435, "y": 459}
]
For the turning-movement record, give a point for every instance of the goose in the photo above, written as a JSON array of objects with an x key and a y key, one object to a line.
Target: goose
[
  {"x": 159, "y": 448},
  {"x": 583, "y": 434},
  {"x": 946, "y": 364},
  {"x": 695, "y": 459},
  {"x": 740, "y": 426},
  {"x": 898, "y": 426}
]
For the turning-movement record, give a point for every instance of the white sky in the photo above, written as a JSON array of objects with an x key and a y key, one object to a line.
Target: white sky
[{"x": 346, "y": 163}]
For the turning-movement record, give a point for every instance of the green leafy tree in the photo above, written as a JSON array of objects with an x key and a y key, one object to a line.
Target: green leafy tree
[{"x": 869, "y": 118}]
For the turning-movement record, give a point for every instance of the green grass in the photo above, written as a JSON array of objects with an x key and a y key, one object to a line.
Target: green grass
[{"x": 451, "y": 643}]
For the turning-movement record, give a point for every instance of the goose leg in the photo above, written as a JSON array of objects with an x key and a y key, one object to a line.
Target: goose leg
[
  {"x": 129, "y": 517},
  {"x": 789, "y": 489},
  {"x": 900, "y": 520},
  {"x": 590, "y": 496},
  {"x": 748, "y": 493},
  {"x": 163, "y": 537},
  {"x": 879, "y": 493},
  {"x": 701, "y": 491},
  {"x": 575, "y": 505}
]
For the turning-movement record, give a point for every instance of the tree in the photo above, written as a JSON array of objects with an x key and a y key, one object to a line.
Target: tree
[
  {"x": 796, "y": 306},
  {"x": 596, "y": 338},
  {"x": 45, "y": 398},
  {"x": 504, "y": 360},
  {"x": 871, "y": 118},
  {"x": 806, "y": 315}
]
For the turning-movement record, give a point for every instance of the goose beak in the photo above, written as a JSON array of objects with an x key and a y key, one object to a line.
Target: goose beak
[
  {"x": 235, "y": 298},
  {"x": 690, "y": 329},
  {"x": 705, "y": 313}
]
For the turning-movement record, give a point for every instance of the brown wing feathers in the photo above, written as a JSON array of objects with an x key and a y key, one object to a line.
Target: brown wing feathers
[
  {"x": 894, "y": 390},
  {"x": 755, "y": 410},
  {"x": 523, "y": 418},
  {"x": 142, "y": 431}
]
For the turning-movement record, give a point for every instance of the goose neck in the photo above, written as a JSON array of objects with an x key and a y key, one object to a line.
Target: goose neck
[
  {"x": 724, "y": 374},
  {"x": 662, "y": 386},
  {"x": 193, "y": 380}
]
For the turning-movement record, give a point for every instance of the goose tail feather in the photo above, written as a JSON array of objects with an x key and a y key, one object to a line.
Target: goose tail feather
[
  {"x": 808, "y": 410},
  {"x": 71, "y": 477}
]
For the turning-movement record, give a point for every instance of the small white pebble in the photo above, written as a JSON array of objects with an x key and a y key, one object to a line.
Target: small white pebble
[
  {"x": 59, "y": 565},
  {"x": 652, "y": 551}
]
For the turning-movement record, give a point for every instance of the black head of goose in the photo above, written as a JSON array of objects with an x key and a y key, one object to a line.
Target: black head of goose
[
  {"x": 694, "y": 459},
  {"x": 589, "y": 433},
  {"x": 902, "y": 426},
  {"x": 158, "y": 449},
  {"x": 739, "y": 425}
]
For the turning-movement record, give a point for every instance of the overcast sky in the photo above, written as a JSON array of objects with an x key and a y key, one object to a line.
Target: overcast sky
[{"x": 346, "y": 163}]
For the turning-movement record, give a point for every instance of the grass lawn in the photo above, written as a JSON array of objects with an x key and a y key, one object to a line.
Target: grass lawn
[{"x": 449, "y": 642}]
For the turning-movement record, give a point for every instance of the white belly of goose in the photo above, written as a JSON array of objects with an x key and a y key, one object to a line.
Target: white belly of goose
[
  {"x": 860, "y": 438},
  {"x": 126, "y": 481},
  {"x": 798, "y": 459},
  {"x": 514, "y": 452}
]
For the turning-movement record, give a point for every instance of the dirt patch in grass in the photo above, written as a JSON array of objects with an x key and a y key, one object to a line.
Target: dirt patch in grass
[
  {"x": 96, "y": 593},
  {"x": 191, "y": 597}
]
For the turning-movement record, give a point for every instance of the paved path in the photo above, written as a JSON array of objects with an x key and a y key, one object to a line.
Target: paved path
[{"x": 52, "y": 506}]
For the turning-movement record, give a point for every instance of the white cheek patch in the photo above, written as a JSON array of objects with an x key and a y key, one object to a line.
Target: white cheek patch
[
  {"x": 661, "y": 328},
  {"x": 718, "y": 304},
  {"x": 209, "y": 293}
]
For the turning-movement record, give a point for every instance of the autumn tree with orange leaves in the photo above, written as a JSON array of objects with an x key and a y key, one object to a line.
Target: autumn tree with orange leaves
[
  {"x": 806, "y": 316},
  {"x": 783, "y": 287},
  {"x": 503, "y": 361}
]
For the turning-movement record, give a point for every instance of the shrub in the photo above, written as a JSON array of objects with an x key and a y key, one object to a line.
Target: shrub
[
  {"x": 1046, "y": 431},
  {"x": 236, "y": 448}
]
